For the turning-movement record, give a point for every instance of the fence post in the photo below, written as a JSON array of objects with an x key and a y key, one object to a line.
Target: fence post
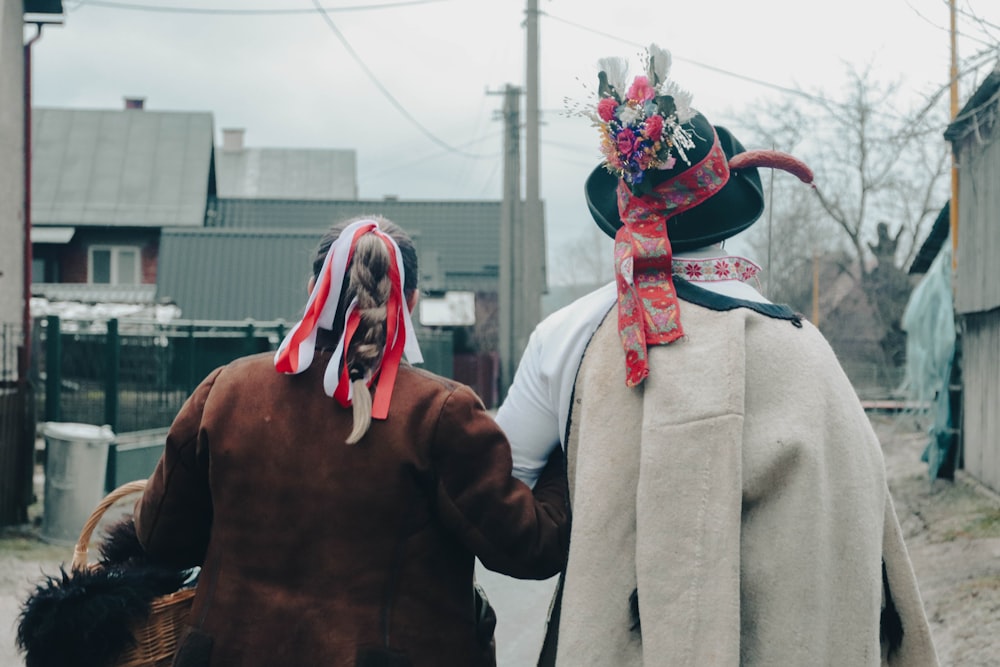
[
  {"x": 281, "y": 333},
  {"x": 53, "y": 369},
  {"x": 191, "y": 379},
  {"x": 250, "y": 348},
  {"x": 111, "y": 382}
]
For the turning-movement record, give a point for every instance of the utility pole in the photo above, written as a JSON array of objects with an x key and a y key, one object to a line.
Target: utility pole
[
  {"x": 953, "y": 76},
  {"x": 522, "y": 224},
  {"x": 533, "y": 248},
  {"x": 510, "y": 294}
]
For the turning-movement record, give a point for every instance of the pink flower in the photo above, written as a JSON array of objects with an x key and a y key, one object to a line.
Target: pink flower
[
  {"x": 626, "y": 141},
  {"x": 654, "y": 127},
  {"x": 640, "y": 90},
  {"x": 606, "y": 108}
]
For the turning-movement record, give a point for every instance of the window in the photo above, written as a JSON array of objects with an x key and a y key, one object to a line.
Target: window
[
  {"x": 113, "y": 265},
  {"x": 37, "y": 270}
]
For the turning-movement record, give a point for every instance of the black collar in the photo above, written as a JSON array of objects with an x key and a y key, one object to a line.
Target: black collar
[{"x": 691, "y": 293}]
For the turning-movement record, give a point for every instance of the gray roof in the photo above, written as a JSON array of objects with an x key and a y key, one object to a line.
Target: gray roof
[
  {"x": 458, "y": 241},
  {"x": 227, "y": 274},
  {"x": 968, "y": 119},
  {"x": 286, "y": 173},
  {"x": 255, "y": 262},
  {"x": 135, "y": 168}
]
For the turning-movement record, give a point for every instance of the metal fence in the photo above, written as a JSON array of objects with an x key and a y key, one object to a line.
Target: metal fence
[
  {"x": 134, "y": 374},
  {"x": 17, "y": 428}
]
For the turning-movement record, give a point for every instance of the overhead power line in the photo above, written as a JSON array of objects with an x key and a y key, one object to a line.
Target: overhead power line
[
  {"x": 735, "y": 75},
  {"x": 246, "y": 12},
  {"x": 397, "y": 166},
  {"x": 385, "y": 91}
]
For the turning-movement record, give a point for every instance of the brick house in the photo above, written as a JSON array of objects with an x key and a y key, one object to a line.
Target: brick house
[{"x": 104, "y": 185}]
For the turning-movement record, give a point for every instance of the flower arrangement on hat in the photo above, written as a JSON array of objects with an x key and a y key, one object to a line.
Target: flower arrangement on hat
[{"x": 641, "y": 129}]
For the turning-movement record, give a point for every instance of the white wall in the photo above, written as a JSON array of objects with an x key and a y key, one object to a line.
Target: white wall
[{"x": 11, "y": 161}]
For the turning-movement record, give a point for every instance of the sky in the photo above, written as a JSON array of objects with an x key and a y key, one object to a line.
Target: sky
[{"x": 413, "y": 86}]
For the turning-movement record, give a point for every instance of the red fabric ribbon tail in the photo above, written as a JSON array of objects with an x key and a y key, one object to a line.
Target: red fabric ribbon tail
[
  {"x": 343, "y": 391},
  {"x": 395, "y": 339}
]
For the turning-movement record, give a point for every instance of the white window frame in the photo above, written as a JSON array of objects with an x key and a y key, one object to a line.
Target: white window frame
[{"x": 115, "y": 250}]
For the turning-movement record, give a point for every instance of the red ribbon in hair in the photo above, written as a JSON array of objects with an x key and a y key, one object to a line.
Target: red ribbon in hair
[{"x": 296, "y": 351}]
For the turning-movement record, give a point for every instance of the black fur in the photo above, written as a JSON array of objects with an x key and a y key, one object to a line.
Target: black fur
[
  {"x": 633, "y": 611},
  {"x": 83, "y": 618},
  {"x": 891, "y": 630},
  {"x": 121, "y": 545}
]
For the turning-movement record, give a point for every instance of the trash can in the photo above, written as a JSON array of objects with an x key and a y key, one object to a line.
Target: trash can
[{"x": 76, "y": 461}]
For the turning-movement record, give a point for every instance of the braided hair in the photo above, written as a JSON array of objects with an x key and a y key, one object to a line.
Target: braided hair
[{"x": 367, "y": 280}]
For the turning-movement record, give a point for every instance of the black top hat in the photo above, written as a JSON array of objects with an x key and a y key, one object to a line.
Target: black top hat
[{"x": 728, "y": 212}]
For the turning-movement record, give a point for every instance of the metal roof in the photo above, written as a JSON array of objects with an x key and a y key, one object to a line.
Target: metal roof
[
  {"x": 134, "y": 168},
  {"x": 976, "y": 110},
  {"x": 286, "y": 173},
  {"x": 255, "y": 262},
  {"x": 225, "y": 274},
  {"x": 458, "y": 241}
]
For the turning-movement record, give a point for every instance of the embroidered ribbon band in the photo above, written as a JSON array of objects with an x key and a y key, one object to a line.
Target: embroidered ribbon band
[
  {"x": 648, "y": 309},
  {"x": 712, "y": 269}
]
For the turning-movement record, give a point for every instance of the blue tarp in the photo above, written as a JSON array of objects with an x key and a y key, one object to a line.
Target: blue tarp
[{"x": 929, "y": 322}]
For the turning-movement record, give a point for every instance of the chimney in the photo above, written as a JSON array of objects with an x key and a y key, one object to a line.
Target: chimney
[
  {"x": 232, "y": 139},
  {"x": 135, "y": 103}
]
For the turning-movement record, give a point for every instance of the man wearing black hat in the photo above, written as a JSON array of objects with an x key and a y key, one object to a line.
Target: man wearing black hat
[{"x": 728, "y": 492}]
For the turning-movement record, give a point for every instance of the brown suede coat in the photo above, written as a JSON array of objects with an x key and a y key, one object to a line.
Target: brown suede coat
[{"x": 315, "y": 552}]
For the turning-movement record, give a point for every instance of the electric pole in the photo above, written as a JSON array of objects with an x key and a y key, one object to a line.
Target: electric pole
[
  {"x": 510, "y": 293},
  {"x": 533, "y": 248}
]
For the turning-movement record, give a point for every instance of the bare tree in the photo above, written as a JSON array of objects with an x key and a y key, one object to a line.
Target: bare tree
[
  {"x": 881, "y": 166},
  {"x": 586, "y": 260},
  {"x": 874, "y": 161}
]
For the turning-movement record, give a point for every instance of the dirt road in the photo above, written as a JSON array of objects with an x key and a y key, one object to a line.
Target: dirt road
[{"x": 952, "y": 531}]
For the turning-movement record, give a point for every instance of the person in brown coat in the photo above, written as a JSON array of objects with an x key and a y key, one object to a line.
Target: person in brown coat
[{"x": 332, "y": 527}]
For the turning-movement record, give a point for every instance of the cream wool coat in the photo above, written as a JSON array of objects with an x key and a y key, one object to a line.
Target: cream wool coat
[{"x": 741, "y": 492}]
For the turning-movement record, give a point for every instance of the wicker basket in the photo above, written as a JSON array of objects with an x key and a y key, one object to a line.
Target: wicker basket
[{"x": 156, "y": 636}]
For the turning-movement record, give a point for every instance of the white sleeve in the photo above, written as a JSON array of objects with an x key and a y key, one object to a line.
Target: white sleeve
[
  {"x": 527, "y": 415},
  {"x": 536, "y": 408}
]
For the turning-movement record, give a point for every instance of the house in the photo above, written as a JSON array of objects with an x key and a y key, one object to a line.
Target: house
[
  {"x": 974, "y": 134},
  {"x": 458, "y": 243},
  {"x": 104, "y": 184},
  {"x": 141, "y": 205},
  {"x": 253, "y": 260},
  {"x": 283, "y": 173}
]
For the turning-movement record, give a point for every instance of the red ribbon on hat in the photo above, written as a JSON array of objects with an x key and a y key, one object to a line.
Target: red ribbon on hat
[
  {"x": 295, "y": 353},
  {"x": 648, "y": 308}
]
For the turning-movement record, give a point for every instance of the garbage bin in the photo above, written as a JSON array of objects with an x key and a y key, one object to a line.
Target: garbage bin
[{"x": 76, "y": 461}]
